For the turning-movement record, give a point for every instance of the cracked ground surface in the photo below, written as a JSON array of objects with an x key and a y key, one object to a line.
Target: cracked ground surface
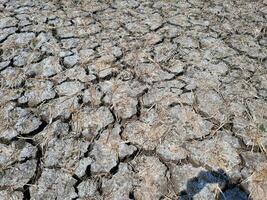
[{"x": 133, "y": 99}]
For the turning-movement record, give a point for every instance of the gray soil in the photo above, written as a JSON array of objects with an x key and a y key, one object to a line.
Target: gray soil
[{"x": 144, "y": 100}]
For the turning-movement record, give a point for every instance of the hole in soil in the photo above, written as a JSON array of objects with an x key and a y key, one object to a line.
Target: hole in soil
[
  {"x": 115, "y": 169},
  {"x": 26, "y": 192},
  {"x": 131, "y": 195}
]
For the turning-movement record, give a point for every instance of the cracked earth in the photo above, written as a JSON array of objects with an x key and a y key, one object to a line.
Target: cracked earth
[{"x": 144, "y": 100}]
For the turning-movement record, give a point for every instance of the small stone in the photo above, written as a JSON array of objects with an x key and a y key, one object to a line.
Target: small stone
[
  {"x": 187, "y": 42},
  {"x": 182, "y": 174},
  {"x": 90, "y": 121},
  {"x": 180, "y": 20},
  {"x": 108, "y": 149},
  {"x": 60, "y": 107},
  {"x": 16, "y": 151},
  {"x": 219, "y": 69},
  {"x": 125, "y": 106},
  {"x": 106, "y": 73},
  {"x": 197, "y": 183},
  {"x": 8, "y": 134},
  {"x": 170, "y": 31},
  {"x": 216, "y": 48},
  {"x": 219, "y": 154},
  {"x": 145, "y": 135},
  {"x": 69, "y": 32},
  {"x": 63, "y": 54},
  {"x": 18, "y": 175},
  {"x": 153, "y": 38},
  {"x": 137, "y": 28},
  {"x": 105, "y": 159},
  {"x": 88, "y": 189},
  {"x": 189, "y": 124},
  {"x": 170, "y": 148},
  {"x": 47, "y": 43},
  {"x": 234, "y": 193},
  {"x": 252, "y": 161},
  {"x": 64, "y": 152},
  {"x": 12, "y": 77},
  {"x": 46, "y": 68},
  {"x": 125, "y": 75},
  {"x": 70, "y": 43},
  {"x": 25, "y": 122},
  {"x": 25, "y": 58},
  {"x": 164, "y": 51},
  {"x": 86, "y": 55},
  {"x": 27, "y": 152},
  {"x": 14, "y": 195},
  {"x": 4, "y": 64},
  {"x": 116, "y": 51},
  {"x": 175, "y": 66},
  {"x": 55, "y": 129},
  {"x": 103, "y": 63},
  {"x": 4, "y": 33},
  {"x": 151, "y": 177},
  {"x": 82, "y": 166},
  {"x": 126, "y": 150},
  {"x": 187, "y": 98},
  {"x": 253, "y": 132},
  {"x": 69, "y": 88},
  {"x": 211, "y": 103},
  {"x": 248, "y": 44},
  {"x": 8, "y": 22},
  {"x": 54, "y": 184},
  {"x": 151, "y": 73},
  {"x": 38, "y": 92},
  {"x": 257, "y": 183},
  {"x": 154, "y": 21},
  {"x": 121, "y": 184},
  {"x": 93, "y": 95},
  {"x": 163, "y": 94},
  {"x": 79, "y": 73},
  {"x": 18, "y": 39},
  {"x": 70, "y": 61}
]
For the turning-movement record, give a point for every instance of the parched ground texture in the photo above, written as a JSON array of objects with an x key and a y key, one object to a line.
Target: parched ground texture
[{"x": 144, "y": 100}]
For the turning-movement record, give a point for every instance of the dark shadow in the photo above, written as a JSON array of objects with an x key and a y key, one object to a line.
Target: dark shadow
[{"x": 228, "y": 190}]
